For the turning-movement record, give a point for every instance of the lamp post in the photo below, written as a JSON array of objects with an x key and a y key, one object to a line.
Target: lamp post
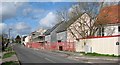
[{"x": 9, "y": 34}]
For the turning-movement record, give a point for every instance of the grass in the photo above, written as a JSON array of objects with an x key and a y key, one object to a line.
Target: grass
[
  {"x": 10, "y": 63},
  {"x": 9, "y": 54},
  {"x": 8, "y": 49},
  {"x": 97, "y": 54}
]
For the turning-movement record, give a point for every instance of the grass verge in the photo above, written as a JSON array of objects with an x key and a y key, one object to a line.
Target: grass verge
[
  {"x": 9, "y": 54},
  {"x": 97, "y": 54},
  {"x": 10, "y": 63},
  {"x": 8, "y": 49}
]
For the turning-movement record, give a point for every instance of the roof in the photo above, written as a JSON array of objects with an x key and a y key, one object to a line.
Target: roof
[
  {"x": 109, "y": 15},
  {"x": 47, "y": 32},
  {"x": 54, "y": 27},
  {"x": 62, "y": 26},
  {"x": 65, "y": 25}
]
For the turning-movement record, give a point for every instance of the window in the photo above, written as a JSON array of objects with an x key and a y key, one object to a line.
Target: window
[
  {"x": 99, "y": 32},
  {"x": 45, "y": 41},
  {"x": 33, "y": 34},
  {"x": 118, "y": 28},
  {"x": 59, "y": 40},
  {"x": 102, "y": 31}
]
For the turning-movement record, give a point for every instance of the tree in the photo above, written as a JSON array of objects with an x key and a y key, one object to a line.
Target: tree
[
  {"x": 18, "y": 39},
  {"x": 92, "y": 9},
  {"x": 62, "y": 15},
  {"x": 65, "y": 15},
  {"x": 3, "y": 40},
  {"x": 88, "y": 28}
]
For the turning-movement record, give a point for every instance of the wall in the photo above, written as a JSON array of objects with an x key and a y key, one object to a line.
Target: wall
[
  {"x": 70, "y": 37},
  {"x": 111, "y": 30},
  {"x": 62, "y": 36},
  {"x": 104, "y": 45},
  {"x": 48, "y": 38},
  {"x": 27, "y": 39},
  {"x": 53, "y": 36}
]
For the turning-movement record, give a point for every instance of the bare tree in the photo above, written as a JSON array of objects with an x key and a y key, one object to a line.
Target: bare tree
[
  {"x": 62, "y": 15},
  {"x": 86, "y": 23},
  {"x": 74, "y": 11},
  {"x": 87, "y": 26}
]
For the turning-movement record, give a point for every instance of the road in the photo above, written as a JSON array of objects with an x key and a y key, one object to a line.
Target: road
[{"x": 27, "y": 55}]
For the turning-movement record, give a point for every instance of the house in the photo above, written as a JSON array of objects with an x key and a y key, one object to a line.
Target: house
[
  {"x": 47, "y": 35},
  {"x": 47, "y": 39},
  {"x": 23, "y": 39},
  {"x": 64, "y": 35},
  {"x": 109, "y": 19},
  {"x": 27, "y": 40},
  {"x": 18, "y": 39},
  {"x": 50, "y": 37},
  {"x": 69, "y": 33},
  {"x": 108, "y": 39},
  {"x": 37, "y": 39}
]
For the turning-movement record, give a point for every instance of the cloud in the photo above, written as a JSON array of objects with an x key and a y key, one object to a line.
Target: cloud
[
  {"x": 8, "y": 9},
  {"x": 3, "y": 27},
  {"x": 48, "y": 21},
  {"x": 33, "y": 13},
  {"x": 22, "y": 28},
  {"x": 27, "y": 11},
  {"x": 60, "y": 0},
  {"x": 14, "y": 0}
]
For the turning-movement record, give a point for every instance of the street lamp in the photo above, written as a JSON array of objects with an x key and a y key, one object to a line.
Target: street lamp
[{"x": 9, "y": 34}]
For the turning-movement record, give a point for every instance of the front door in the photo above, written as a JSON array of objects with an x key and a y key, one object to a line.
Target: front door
[{"x": 60, "y": 48}]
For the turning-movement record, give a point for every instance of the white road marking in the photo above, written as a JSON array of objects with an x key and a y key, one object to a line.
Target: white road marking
[
  {"x": 89, "y": 62},
  {"x": 50, "y": 60}
]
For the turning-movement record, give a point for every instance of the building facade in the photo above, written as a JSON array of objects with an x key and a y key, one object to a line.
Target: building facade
[{"x": 108, "y": 39}]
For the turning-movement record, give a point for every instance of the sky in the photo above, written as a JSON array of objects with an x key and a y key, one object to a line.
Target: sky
[{"x": 25, "y": 17}]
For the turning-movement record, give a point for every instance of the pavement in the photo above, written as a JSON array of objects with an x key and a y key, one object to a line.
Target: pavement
[{"x": 13, "y": 58}]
